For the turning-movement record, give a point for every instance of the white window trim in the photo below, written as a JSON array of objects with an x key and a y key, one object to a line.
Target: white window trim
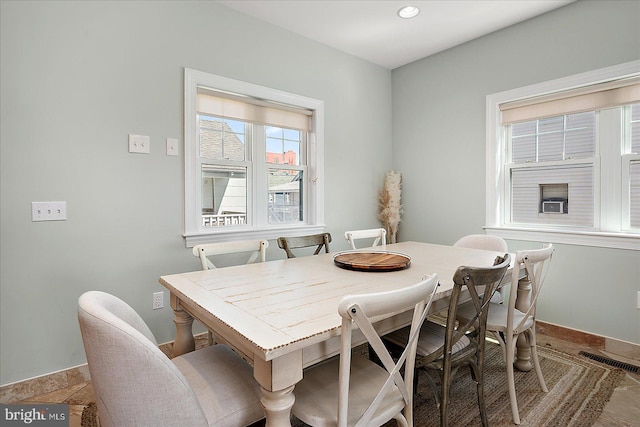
[
  {"x": 314, "y": 217},
  {"x": 495, "y": 176}
]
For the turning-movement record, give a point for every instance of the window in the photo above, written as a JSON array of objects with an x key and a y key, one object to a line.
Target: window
[
  {"x": 253, "y": 161},
  {"x": 563, "y": 159}
]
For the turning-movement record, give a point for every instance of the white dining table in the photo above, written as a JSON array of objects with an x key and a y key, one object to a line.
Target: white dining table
[{"x": 282, "y": 316}]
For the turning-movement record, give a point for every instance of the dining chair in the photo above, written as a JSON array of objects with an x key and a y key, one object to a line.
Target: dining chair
[
  {"x": 379, "y": 236},
  {"x": 507, "y": 322},
  {"x": 319, "y": 240},
  {"x": 354, "y": 391},
  {"x": 444, "y": 349},
  {"x": 255, "y": 249},
  {"x": 489, "y": 243},
  {"x": 136, "y": 384}
]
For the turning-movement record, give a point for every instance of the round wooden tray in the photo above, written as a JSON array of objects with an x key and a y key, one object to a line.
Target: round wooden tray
[{"x": 372, "y": 261}]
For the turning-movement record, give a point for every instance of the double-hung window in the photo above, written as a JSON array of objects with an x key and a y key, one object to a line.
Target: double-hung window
[
  {"x": 253, "y": 161},
  {"x": 563, "y": 159}
]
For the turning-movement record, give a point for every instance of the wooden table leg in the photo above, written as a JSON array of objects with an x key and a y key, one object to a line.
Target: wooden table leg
[
  {"x": 184, "y": 341},
  {"x": 523, "y": 351},
  {"x": 277, "y": 406},
  {"x": 277, "y": 379}
]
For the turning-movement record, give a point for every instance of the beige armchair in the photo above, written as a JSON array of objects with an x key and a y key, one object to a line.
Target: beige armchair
[{"x": 136, "y": 384}]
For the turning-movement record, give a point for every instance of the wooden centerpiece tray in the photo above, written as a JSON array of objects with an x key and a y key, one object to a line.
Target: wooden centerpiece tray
[{"x": 372, "y": 260}]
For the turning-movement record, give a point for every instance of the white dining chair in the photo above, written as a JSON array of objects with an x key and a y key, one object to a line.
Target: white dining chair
[
  {"x": 255, "y": 248},
  {"x": 136, "y": 384},
  {"x": 489, "y": 243},
  {"x": 353, "y": 390},
  {"x": 378, "y": 236},
  {"x": 507, "y": 322}
]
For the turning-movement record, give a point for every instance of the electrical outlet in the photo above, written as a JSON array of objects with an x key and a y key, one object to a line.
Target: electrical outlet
[{"x": 158, "y": 300}]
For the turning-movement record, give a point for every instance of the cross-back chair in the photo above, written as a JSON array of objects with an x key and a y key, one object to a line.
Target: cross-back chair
[
  {"x": 353, "y": 390},
  {"x": 378, "y": 236},
  {"x": 444, "y": 349},
  {"x": 486, "y": 242},
  {"x": 257, "y": 250},
  {"x": 507, "y": 322},
  {"x": 321, "y": 240}
]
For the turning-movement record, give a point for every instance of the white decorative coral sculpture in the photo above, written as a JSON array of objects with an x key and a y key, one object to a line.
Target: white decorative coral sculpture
[{"x": 390, "y": 207}]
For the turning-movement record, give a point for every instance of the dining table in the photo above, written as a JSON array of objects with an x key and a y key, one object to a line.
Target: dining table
[{"x": 282, "y": 315}]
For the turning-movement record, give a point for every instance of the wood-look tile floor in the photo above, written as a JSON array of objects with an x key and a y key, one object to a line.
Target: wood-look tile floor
[{"x": 622, "y": 410}]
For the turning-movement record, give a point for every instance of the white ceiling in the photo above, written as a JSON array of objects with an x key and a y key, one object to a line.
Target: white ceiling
[{"x": 371, "y": 30}]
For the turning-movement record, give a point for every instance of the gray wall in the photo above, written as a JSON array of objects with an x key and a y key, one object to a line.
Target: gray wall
[
  {"x": 77, "y": 78},
  {"x": 439, "y": 146}
]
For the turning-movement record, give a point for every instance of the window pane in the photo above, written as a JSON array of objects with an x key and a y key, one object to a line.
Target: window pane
[
  {"x": 221, "y": 138},
  {"x": 635, "y": 128},
  {"x": 581, "y": 120},
  {"x": 525, "y": 128},
  {"x": 550, "y": 146},
  {"x": 551, "y": 124},
  {"x": 580, "y": 143},
  {"x": 634, "y": 194},
  {"x": 527, "y": 197},
  {"x": 283, "y": 146},
  {"x": 524, "y": 149},
  {"x": 224, "y": 195},
  {"x": 285, "y": 196}
]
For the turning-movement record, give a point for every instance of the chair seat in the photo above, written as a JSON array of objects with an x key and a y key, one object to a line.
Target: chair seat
[
  {"x": 431, "y": 338},
  {"x": 223, "y": 384},
  {"x": 497, "y": 318},
  {"x": 317, "y": 394}
]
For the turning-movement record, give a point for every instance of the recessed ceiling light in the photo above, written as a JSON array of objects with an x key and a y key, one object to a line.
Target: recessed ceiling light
[{"x": 408, "y": 12}]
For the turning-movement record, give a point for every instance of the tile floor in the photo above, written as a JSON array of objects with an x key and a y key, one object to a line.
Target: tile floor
[{"x": 622, "y": 410}]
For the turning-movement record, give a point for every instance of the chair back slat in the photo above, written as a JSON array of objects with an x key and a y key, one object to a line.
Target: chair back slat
[
  {"x": 321, "y": 240},
  {"x": 379, "y": 236},
  {"x": 255, "y": 248}
]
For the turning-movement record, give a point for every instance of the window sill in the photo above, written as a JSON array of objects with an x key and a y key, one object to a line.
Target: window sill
[
  {"x": 236, "y": 233},
  {"x": 600, "y": 239}
]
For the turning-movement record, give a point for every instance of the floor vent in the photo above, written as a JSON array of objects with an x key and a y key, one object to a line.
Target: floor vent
[{"x": 611, "y": 362}]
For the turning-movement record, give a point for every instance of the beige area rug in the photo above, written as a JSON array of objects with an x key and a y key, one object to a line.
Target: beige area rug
[{"x": 579, "y": 388}]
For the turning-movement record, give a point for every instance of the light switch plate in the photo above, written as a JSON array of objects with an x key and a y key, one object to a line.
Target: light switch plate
[
  {"x": 172, "y": 147},
  {"x": 139, "y": 144},
  {"x": 48, "y": 211}
]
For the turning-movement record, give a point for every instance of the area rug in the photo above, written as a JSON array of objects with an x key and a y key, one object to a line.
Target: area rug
[{"x": 579, "y": 388}]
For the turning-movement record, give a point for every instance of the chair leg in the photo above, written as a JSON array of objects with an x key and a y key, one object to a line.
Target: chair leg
[
  {"x": 511, "y": 380},
  {"x": 444, "y": 397},
  {"x": 536, "y": 362},
  {"x": 478, "y": 369}
]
